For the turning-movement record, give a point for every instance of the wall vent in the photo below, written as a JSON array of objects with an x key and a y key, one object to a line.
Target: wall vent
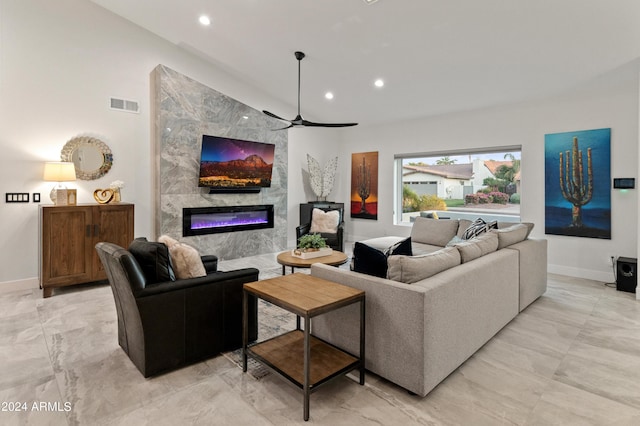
[{"x": 124, "y": 105}]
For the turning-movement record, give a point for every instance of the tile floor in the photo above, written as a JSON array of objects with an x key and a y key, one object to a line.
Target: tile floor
[{"x": 571, "y": 358}]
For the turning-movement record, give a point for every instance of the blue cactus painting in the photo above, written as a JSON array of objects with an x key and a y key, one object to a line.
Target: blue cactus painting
[{"x": 578, "y": 183}]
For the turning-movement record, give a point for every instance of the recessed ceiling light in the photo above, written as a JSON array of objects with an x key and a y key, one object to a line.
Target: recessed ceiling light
[
  {"x": 204, "y": 20},
  {"x": 378, "y": 83},
  {"x": 328, "y": 95},
  {"x": 370, "y": 1}
]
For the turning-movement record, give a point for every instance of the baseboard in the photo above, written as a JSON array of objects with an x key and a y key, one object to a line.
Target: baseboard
[
  {"x": 26, "y": 284},
  {"x": 589, "y": 274}
]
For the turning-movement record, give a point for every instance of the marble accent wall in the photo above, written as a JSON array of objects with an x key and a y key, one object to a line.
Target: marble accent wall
[{"x": 185, "y": 110}]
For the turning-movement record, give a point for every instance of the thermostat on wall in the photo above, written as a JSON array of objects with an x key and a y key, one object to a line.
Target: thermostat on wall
[{"x": 624, "y": 183}]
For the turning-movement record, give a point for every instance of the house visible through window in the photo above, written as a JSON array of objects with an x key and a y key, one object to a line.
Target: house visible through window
[{"x": 482, "y": 183}]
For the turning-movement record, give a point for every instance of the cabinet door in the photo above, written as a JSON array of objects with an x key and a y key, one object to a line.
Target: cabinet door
[
  {"x": 113, "y": 224},
  {"x": 66, "y": 258}
]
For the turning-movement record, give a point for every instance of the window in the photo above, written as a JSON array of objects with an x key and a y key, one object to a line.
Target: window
[{"x": 467, "y": 184}]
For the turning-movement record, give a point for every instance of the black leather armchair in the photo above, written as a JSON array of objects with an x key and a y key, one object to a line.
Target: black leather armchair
[
  {"x": 162, "y": 326},
  {"x": 334, "y": 240}
]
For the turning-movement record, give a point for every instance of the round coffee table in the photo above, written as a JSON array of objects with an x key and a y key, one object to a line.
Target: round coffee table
[{"x": 287, "y": 259}]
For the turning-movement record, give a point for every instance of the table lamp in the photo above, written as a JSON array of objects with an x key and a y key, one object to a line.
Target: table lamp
[{"x": 58, "y": 171}]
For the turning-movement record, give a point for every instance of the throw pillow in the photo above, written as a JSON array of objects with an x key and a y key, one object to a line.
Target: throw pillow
[
  {"x": 326, "y": 222},
  {"x": 154, "y": 260},
  {"x": 371, "y": 261},
  {"x": 511, "y": 235},
  {"x": 185, "y": 259},
  {"x": 401, "y": 247},
  {"x": 410, "y": 269},
  {"x": 165, "y": 239},
  {"x": 478, "y": 227},
  {"x": 477, "y": 247}
]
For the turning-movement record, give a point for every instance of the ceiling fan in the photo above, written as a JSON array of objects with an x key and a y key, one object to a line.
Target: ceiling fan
[{"x": 299, "y": 121}]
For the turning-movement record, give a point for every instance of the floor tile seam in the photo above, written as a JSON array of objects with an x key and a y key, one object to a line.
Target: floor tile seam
[
  {"x": 530, "y": 417},
  {"x": 597, "y": 395},
  {"x": 51, "y": 363},
  {"x": 555, "y": 375}
]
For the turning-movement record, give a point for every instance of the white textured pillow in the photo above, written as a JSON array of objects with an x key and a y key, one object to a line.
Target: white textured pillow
[
  {"x": 410, "y": 269},
  {"x": 167, "y": 240},
  {"x": 322, "y": 221},
  {"x": 185, "y": 259}
]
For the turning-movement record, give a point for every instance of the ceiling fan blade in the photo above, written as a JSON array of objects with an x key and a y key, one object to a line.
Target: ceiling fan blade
[
  {"x": 270, "y": 114},
  {"x": 312, "y": 124},
  {"x": 299, "y": 121}
]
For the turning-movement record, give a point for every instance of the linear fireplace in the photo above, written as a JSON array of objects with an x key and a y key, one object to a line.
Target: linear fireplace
[{"x": 213, "y": 220}]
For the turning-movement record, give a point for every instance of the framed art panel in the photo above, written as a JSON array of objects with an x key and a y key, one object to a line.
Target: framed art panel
[
  {"x": 578, "y": 183},
  {"x": 364, "y": 185}
]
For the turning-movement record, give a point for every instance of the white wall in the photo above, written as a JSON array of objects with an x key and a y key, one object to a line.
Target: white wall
[
  {"x": 322, "y": 144},
  {"x": 60, "y": 61},
  {"x": 611, "y": 101}
]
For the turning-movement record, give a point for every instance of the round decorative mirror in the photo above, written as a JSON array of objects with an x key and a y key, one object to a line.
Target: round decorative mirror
[{"x": 91, "y": 157}]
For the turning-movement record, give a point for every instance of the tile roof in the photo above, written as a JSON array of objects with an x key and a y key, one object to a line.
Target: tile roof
[{"x": 451, "y": 171}]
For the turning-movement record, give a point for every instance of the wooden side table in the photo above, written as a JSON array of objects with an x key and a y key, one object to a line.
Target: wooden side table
[
  {"x": 291, "y": 354},
  {"x": 285, "y": 258}
]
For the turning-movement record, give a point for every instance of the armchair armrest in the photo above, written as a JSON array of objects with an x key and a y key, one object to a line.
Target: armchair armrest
[{"x": 303, "y": 230}]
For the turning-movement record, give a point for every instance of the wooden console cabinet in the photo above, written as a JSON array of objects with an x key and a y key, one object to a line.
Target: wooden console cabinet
[{"x": 68, "y": 235}]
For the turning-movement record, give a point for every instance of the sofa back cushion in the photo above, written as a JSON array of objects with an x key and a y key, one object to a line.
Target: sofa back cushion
[
  {"x": 511, "y": 235},
  {"x": 410, "y": 269},
  {"x": 437, "y": 232},
  {"x": 476, "y": 247}
]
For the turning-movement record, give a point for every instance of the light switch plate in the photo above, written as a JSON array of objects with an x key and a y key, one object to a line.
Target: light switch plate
[{"x": 17, "y": 197}]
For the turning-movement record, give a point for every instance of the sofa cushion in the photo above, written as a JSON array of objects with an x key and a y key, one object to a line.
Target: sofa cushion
[
  {"x": 185, "y": 259},
  {"x": 382, "y": 243},
  {"x": 529, "y": 226},
  {"x": 322, "y": 221},
  {"x": 410, "y": 269},
  {"x": 511, "y": 235},
  {"x": 371, "y": 261},
  {"x": 478, "y": 246},
  {"x": 432, "y": 231},
  {"x": 154, "y": 260},
  {"x": 419, "y": 249}
]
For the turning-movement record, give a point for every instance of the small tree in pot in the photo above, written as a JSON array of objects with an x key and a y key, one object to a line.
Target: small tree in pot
[{"x": 311, "y": 242}]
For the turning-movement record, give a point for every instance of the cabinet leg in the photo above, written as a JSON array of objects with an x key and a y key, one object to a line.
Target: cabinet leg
[{"x": 47, "y": 292}]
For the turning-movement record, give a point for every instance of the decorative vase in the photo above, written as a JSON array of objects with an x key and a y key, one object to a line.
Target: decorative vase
[{"x": 116, "y": 195}]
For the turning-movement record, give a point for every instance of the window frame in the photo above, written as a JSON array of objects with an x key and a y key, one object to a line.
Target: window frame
[{"x": 398, "y": 165}]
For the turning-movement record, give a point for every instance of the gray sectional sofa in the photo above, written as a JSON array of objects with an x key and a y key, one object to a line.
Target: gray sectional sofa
[{"x": 459, "y": 297}]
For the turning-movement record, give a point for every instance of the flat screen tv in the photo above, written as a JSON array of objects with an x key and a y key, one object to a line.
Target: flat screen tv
[{"x": 235, "y": 165}]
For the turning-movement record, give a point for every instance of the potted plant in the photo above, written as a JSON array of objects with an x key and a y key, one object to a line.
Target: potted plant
[{"x": 312, "y": 245}]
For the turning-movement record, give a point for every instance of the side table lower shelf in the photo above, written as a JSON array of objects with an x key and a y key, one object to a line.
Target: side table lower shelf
[{"x": 285, "y": 354}]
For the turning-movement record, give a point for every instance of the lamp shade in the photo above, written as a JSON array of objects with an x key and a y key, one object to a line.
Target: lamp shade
[{"x": 58, "y": 171}]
